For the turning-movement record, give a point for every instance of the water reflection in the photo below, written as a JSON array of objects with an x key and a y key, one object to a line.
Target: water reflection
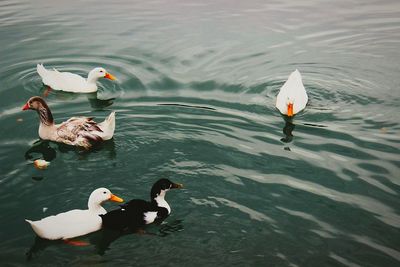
[
  {"x": 93, "y": 98},
  {"x": 43, "y": 148},
  {"x": 48, "y": 153},
  {"x": 289, "y": 127},
  {"x": 39, "y": 245},
  {"x": 102, "y": 240},
  {"x": 287, "y": 130},
  {"x": 336, "y": 174},
  {"x": 106, "y": 237},
  {"x": 97, "y": 103},
  {"x": 108, "y": 146}
]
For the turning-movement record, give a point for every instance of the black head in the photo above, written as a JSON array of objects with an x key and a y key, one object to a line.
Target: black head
[{"x": 163, "y": 185}]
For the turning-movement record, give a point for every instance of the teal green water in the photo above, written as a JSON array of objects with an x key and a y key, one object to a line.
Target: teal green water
[{"x": 195, "y": 100}]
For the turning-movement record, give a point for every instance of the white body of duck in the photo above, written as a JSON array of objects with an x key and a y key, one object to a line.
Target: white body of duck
[
  {"x": 77, "y": 131},
  {"x": 70, "y": 82},
  {"x": 76, "y": 222},
  {"x": 292, "y": 98}
]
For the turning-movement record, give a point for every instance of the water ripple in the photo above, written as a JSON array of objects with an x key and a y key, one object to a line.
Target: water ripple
[{"x": 195, "y": 102}]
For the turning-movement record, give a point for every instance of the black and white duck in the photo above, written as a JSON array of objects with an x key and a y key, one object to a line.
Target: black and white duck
[
  {"x": 76, "y": 131},
  {"x": 137, "y": 212}
]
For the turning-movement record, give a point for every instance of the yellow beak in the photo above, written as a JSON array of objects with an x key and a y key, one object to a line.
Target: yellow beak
[
  {"x": 110, "y": 76},
  {"x": 115, "y": 198}
]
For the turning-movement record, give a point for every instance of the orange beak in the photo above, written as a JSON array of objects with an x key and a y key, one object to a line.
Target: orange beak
[
  {"x": 26, "y": 106},
  {"x": 290, "y": 110},
  {"x": 109, "y": 76},
  {"x": 115, "y": 198}
]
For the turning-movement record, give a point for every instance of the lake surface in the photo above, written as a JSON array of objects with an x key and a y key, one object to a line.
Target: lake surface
[{"x": 195, "y": 102}]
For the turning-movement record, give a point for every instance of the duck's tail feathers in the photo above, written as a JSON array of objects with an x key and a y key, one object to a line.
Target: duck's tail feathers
[
  {"x": 35, "y": 227},
  {"x": 295, "y": 75},
  {"x": 32, "y": 224},
  {"x": 41, "y": 70},
  {"x": 108, "y": 126}
]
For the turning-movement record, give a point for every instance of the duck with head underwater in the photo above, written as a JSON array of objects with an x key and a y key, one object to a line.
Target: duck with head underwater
[{"x": 137, "y": 212}]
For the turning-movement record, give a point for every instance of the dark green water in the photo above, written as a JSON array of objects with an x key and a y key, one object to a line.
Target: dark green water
[{"x": 195, "y": 103}]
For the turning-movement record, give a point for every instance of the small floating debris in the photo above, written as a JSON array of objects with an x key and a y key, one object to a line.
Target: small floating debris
[
  {"x": 41, "y": 164},
  {"x": 20, "y": 120},
  {"x": 186, "y": 106}
]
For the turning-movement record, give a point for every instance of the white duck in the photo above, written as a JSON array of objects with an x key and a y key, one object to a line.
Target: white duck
[
  {"x": 69, "y": 82},
  {"x": 292, "y": 98},
  {"x": 76, "y": 222},
  {"x": 77, "y": 131}
]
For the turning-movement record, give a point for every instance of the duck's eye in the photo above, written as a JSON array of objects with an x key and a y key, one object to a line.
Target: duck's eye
[
  {"x": 104, "y": 192},
  {"x": 101, "y": 71}
]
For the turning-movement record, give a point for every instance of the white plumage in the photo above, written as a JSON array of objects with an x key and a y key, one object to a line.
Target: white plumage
[
  {"x": 292, "y": 97},
  {"x": 70, "y": 82},
  {"x": 76, "y": 222},
  {"x": 150, "y": 216}
]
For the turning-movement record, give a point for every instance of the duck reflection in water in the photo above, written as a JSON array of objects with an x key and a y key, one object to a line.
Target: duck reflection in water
[
  {"x": 93, "y": 99},
  {"x": 42, "y": 148},
  {"x": 287, "y": 130},
  {"x": 102, "y": 240},
  {"x": 289, "y": 127},
  {"x": 97, "y": 103},
  {"x": 47, "y": 150}
]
